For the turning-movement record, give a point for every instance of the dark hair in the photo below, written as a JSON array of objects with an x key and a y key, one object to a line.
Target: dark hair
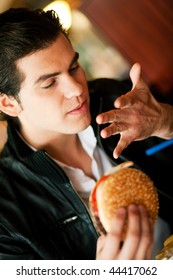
[{"x": 23, "y": 31}]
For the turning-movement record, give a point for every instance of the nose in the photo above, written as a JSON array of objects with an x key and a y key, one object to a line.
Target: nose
[{"x": 71, "y": 87}]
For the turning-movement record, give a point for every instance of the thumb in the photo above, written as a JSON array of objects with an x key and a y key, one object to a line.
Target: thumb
[{"x": 135, "y": 74}]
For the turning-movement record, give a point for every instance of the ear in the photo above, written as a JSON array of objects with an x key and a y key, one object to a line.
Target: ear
[{"x": 9, "y": 105}]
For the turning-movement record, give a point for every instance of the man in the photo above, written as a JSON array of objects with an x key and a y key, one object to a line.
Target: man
[{"x": 54, "y": 153}]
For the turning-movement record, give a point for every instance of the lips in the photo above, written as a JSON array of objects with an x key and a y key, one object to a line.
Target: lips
[{"x": 77, "y": 108}]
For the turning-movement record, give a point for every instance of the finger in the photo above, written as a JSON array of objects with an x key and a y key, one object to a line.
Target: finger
[
  {"x": 151, "y": 246},
  {"x": 106, "y": 117},
  {"x": 110, "y": 130},
  {"x": 124, "y": 140},
  {"x": 121, "y": 145},
  {"x": 146, "y": 243},
  {"x": 100, "y": 245},
  {"x": 130, "y": 245},
  {"x": 127, "y": 99},
  {"x": 114, "y": 128},
  {"x": 117, "y": 151},
  {"x": 123, "y": 101},
  {"x": 111, "y": 245},
  {"x": 135, "y": 75},
  {"x": 114, "y": 238}
]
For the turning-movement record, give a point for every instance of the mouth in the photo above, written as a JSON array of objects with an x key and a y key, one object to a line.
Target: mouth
[{"x": 80, "y": 108}]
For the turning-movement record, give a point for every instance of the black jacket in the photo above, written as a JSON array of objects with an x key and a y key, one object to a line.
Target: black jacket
[{"x": 41, "y": 215}]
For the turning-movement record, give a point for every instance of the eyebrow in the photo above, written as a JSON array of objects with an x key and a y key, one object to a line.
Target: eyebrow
[{"x": 47, "y": 76}]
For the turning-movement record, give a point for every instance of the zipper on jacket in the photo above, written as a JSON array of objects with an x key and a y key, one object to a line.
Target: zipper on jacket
[{"x": 74, "y": 190}]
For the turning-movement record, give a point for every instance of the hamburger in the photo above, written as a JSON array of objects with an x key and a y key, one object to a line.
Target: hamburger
[
  {"x": 166, "y": 253},
  {"x": 121, "y": 186}
]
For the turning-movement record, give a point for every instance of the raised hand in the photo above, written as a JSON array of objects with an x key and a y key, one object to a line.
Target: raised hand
[{"x": 137, "y": 116}]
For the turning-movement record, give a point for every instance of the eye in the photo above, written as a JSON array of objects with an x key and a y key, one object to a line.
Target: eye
[
  {"x": 50, "y": 84},
  {"x": 74, "y": 68}
]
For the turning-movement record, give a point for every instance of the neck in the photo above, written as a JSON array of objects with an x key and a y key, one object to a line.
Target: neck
[
  {"x": 55, "y": 144},
  {"x": 66, "y": 148}
]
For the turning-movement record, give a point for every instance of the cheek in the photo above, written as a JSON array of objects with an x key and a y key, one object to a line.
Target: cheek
[{"x": 42, "y": 109}]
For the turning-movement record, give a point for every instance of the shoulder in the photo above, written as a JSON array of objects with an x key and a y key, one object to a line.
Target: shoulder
[
  {"x": 104, "y": 91},
  {"x": 104, "y": 86}
]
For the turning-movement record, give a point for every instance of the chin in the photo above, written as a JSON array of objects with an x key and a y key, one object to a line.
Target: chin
[
  {"x": 83, "y": 126},
  {"x": 84, "y": 122}
]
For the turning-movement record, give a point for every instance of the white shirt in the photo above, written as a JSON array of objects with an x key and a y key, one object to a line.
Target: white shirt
[{"x": 100, "y": 164}]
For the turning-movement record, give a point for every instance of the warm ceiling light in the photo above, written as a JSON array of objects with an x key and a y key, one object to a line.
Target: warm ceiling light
[{"x": 62, "y": 8}]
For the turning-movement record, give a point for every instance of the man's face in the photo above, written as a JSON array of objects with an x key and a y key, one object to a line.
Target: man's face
[{"x": 54, "y": 94}]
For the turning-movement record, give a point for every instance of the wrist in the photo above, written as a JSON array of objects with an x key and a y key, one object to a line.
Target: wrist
[{"x": 165, "y": 128}]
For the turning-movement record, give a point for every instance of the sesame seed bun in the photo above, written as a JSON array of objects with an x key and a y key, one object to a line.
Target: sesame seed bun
[{"x": 119, "y": 188}]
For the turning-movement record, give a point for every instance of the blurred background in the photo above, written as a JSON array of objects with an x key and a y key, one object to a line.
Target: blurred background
[{"x": 111, "y": 35}]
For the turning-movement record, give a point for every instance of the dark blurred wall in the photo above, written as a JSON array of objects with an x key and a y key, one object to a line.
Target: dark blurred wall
[{"x": 142, "y": 31}]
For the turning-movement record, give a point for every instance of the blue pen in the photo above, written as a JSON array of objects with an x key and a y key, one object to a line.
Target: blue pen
[{"x": 159, "y": 147}]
